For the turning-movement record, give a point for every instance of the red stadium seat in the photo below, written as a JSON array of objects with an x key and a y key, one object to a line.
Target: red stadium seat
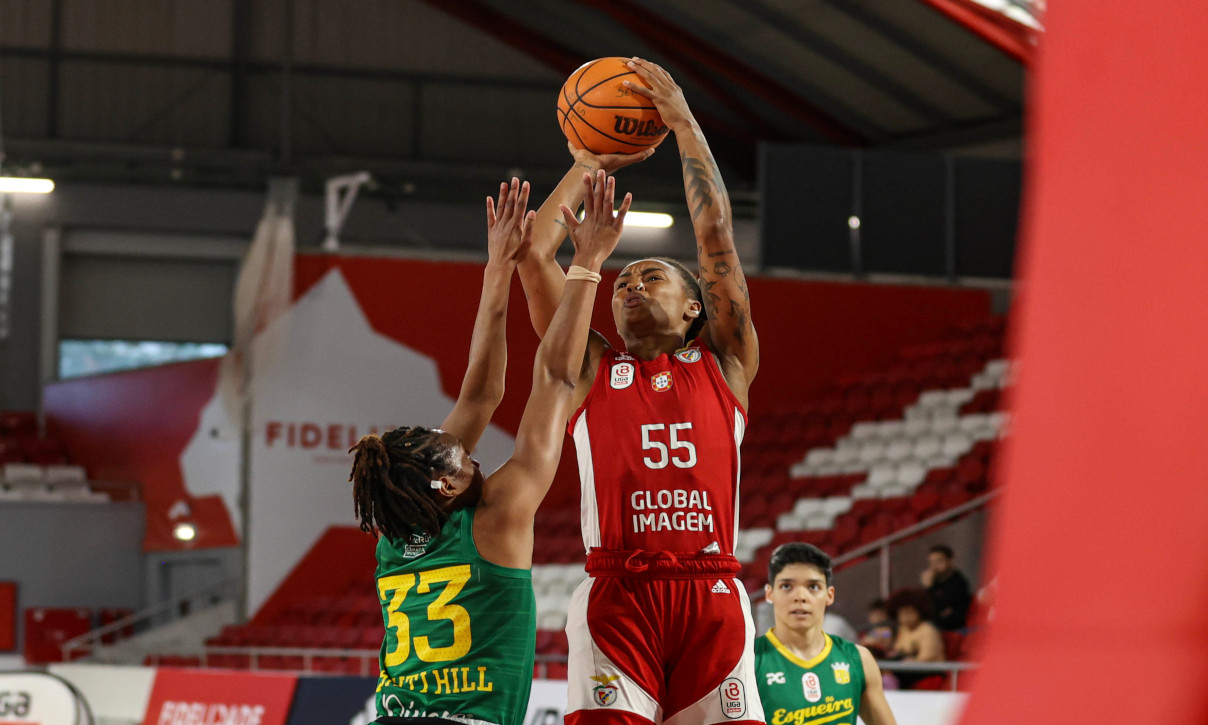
[
  {"x": 18, "y": 424},
  {"x": 43, "y": 451}
]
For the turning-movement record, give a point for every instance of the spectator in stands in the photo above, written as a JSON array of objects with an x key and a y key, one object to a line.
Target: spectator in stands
[
  {"x": 918, "y": 640},
  {"x": 879, "y": 635},
  {"x": 948, "y": 587}
]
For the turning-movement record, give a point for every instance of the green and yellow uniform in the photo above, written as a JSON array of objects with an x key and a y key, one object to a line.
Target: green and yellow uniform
[
  {"x": 460, "y": 630},
  {"x": 825, "y": 690}
]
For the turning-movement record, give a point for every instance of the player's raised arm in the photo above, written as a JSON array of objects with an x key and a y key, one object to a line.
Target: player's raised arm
[
  {"x": 540, "y": 273},
  {"x": 512, "y": 494},
  {"x": 729, "y": 331},
  {"x": 508, "y": 225}
]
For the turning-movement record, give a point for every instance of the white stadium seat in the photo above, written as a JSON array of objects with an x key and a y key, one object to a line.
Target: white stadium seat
[
  {"x": 23, "y": 473},
  {"x": 871, "y": 452},
  {"x": 899, "y": 450},
  {"x": 957, "y": 444},
  {"x": 910, "y": 474}
]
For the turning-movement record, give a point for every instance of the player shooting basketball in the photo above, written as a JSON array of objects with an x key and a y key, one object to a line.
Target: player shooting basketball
[
  {"x": 456, "y": 547},
  {"x": 661, "y": 631}
]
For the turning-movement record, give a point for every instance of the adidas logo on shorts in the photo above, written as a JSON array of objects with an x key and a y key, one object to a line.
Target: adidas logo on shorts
[{"x": 720, "y": 588}]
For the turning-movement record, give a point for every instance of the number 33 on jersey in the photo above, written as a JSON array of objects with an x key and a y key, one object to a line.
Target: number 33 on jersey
[{"x": 658, "y": 449}]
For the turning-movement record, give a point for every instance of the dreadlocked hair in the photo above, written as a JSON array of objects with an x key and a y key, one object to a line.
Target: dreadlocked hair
[
  {"x": 392, "y": 482},
  {"x": 692, "y": 284}
]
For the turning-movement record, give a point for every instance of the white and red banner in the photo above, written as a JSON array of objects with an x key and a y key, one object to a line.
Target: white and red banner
[{"x": 216, "y": 697}]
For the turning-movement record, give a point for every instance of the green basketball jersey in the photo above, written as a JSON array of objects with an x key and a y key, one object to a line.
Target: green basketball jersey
[
  {"x": 460, "y": 630},
  {"x": 826, "y": 689}
]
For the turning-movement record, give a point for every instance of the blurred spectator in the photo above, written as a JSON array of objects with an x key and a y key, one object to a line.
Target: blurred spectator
[
  {"x": 838, "y": 626},
  {"x": 918, "y": 640},
  {"x": 879, "y": 635},
  {"x": 948, "y": 588}
]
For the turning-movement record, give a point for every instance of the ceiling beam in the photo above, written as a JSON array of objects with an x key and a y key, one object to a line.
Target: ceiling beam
[
  {"x": 852, "y": 62},
  {"x": 1014, "y": 39},
  {"x": 914, "y": 46},
  {"x": 653, "y": 29},
  {"x": 565, "y": 60}
]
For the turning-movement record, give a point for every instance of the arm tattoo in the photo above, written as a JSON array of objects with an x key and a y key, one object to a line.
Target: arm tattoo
[
  {"x": 711, "y": 298},
  {"x": 722, "y": 253},
  {"x": 738, "y": 311},
  {"x": 722, "y": 269},
  {"x": 698, "y": 181}
]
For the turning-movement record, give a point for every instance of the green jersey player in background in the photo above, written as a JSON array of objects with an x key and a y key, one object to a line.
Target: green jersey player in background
[
  {"x": 806, "y": 675},
  {"x": 455, "y": 553}
]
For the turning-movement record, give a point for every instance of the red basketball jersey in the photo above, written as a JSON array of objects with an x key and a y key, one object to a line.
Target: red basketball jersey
[{"x": 658, "y": 448}]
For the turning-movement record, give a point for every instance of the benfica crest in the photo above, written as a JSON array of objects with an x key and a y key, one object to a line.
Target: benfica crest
[
  {"x": 605, "y": 692},
  {"x": 688, "y": 354}
]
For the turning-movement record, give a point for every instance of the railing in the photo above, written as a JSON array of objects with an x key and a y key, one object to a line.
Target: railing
[
  {"x": 952, "y": 668},
  {"x": 172, "y": 610},
  {"x": 881, "y": 546}
]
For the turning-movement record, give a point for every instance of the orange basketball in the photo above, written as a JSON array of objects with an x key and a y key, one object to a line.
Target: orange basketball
[{"x": 599, "y": 114}]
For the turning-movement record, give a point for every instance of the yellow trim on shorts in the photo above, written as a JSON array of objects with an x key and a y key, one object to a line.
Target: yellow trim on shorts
[{"x": 810, "y": 664}]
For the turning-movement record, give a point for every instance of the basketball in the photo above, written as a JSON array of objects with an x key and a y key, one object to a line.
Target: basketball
[{"x": 599, "y": 114}]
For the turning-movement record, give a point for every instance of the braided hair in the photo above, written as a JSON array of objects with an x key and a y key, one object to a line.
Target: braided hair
[
  {"x": 692, "y": 285},
  {"x": 392, "y": 482}
]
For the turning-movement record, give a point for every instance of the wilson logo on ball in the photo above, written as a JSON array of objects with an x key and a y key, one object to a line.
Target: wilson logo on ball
[{"x": 633, "y": 127}]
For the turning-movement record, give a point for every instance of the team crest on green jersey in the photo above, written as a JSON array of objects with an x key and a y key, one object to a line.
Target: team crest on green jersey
[{"x": 842, "y": 672}]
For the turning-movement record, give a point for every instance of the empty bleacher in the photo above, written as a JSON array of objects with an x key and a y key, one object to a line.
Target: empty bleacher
[{"x": 34, "y": 468}]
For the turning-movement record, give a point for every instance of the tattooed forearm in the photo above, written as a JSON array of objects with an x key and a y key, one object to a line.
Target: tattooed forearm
[
  {"x": 699, "y": 185},
  {"x": 742, "y": 319},
  {"x": 710, "y": 297}
]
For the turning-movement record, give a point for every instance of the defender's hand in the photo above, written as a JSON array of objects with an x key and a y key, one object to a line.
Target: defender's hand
[
  {"x": 509, "y": 227},
  {"x": 597, "y": 235}
]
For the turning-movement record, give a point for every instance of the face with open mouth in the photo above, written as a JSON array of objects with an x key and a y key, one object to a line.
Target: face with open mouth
[
  {"x": 649, "y": 295},
  {"x": 800, "y": 596}
]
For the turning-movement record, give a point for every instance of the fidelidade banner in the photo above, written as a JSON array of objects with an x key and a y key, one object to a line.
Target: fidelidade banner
[{"x": 217, "y": 697}]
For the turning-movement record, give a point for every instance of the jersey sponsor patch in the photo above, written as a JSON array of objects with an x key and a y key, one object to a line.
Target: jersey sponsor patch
[
  {"x": 417, "y": 545},
  {"x": 733, "y": 698},
  {"x": 842, "y": 672},
  {"x": 688, "y": 355},
  {"x": 661, "y": 382},
  {"x": 812, "y": 686},
  {"x": 622, "y": 375},
  {"x": 774, "y": 678},
  {"x": 605, "y": 693},
  {"x": 720, "y": 588}
]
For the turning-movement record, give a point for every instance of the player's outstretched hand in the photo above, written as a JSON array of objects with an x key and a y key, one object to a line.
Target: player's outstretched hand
[
  {"x": 667, "y": 96},
  {"x": 597, "y": 235},
  {"x": 608, "y": 162},
  {"x": 509, "y": 224}
]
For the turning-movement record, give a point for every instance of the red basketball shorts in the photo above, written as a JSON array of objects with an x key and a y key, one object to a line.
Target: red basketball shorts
[{"x": 661, "y": 650}]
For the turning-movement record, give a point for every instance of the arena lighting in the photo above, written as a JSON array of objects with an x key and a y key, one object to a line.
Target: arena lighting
[
  {"x": 650, "y": 219},
  {"x": 19, "y": 185},
  {"x": 853, "y": 222},
  {"x": 185, "y": 531}
]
